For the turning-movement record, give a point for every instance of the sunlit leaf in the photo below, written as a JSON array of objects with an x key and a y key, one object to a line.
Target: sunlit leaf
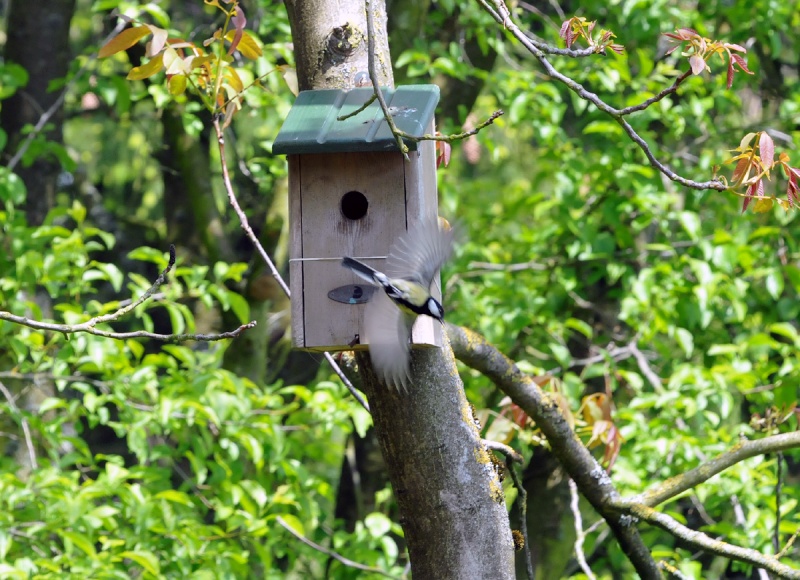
[
  {"x": 123, "y": 41},
  {"x": 153, "y": 66}
]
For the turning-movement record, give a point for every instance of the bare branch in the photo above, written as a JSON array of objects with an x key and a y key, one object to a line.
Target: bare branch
[
  {"x": 90, "y": 326},
  {"x": 335, "y": 555},
  {"x": 373, "y": 76},
  {"x": 580, "y": 535},
  {"x": 522, "y": 498},
  {"x": 506, "y": 450},
  {"x": 708, "y": 544},
  {"x": 594, "y": 483},
  {"x": 502, "y": 15}
]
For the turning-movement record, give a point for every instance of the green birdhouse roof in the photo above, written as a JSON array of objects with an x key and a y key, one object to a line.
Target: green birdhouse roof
[{"x": 313, "y": 126}]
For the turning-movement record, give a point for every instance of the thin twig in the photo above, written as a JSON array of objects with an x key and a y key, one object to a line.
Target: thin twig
[
  {"x": 711, "y": 545},
  {"x": 24, "y": 423},
  {"x": 776, "y": 537},
  {"x": 580, "y": 535},
  {"x": 243, "y": 221},
  {"x": 454, "y": 136},
  {"x": 522, "y": 498},
  {"x": 506, "y": 450},
  {"x": 373, "y": 76},
  {"x": 336, "y": 556},
  {"x": 90, "y": 326},
  {"x": 645, "y": 368}
]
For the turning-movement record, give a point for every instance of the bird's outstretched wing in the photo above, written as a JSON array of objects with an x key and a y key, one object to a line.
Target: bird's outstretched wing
[
  {"x": 388, "y": 332},
  {"x": 420, "y": 252}
]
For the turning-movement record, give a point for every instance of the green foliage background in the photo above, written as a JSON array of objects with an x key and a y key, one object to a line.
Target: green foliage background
[{"x": 170, "y": 461}]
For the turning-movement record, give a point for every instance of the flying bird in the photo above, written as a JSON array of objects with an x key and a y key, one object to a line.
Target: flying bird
[{"x": 411, "y": 265}]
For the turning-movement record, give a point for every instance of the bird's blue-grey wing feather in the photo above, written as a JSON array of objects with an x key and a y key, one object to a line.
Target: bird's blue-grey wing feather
[
  {"x": 388, "y": 331},
  {"x": 420, "y": 252}
]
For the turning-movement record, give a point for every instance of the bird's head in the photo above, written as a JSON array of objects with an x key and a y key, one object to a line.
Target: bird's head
[{"x": 435, "y": 309}]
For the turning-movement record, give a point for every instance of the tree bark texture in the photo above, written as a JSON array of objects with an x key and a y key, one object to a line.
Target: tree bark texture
[
  {"x": 451, "y": 502},
  {"x": 449, "y": 495},
  {"x": 330, "y": 43},
  {"x": 38, "y": 40}
]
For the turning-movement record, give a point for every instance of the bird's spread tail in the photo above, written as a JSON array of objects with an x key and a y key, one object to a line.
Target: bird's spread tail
[{"x": 361, "y": 270}]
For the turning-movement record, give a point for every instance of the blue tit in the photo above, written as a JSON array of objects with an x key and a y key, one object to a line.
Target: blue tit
[{"x": 411, "y": 265}]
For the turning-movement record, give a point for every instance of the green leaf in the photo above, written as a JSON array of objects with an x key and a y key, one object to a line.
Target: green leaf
[
  {"x": 293, "y": 522},
  {"x": 775, "y": 284},
  {"x": 146, "y": 559},
  {"x": 79, "y": 541},
  {"x": 685, "y": 340}
]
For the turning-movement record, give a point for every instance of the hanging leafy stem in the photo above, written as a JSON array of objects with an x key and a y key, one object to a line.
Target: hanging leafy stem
[{"x": 208, "y": 69}]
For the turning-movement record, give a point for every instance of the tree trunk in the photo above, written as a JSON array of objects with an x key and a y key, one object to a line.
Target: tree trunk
[
  {"x": 38, "y": 40},
  {"x": 450, "y": 499}
]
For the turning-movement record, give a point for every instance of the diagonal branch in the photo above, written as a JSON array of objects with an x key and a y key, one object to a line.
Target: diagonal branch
[
  {"x": 475, "y": 351},
  {"x": 502, "y": 15},
  {"x": 744, "y": 449},
  {"x": 708, "y": 544},
  {"x": 335, "y": 555}
]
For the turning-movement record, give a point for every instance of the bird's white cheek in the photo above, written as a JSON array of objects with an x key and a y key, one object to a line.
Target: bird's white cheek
[{"x": 434, "y": 309}]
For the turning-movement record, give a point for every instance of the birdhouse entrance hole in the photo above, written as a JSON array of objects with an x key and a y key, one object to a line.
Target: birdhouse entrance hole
[{"x": 354, "y": 205}]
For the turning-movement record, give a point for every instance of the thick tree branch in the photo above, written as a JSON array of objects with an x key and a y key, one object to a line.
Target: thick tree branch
[{"x": 476, "y": 352}]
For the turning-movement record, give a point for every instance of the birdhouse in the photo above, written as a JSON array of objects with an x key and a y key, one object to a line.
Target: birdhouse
[{"x": 352, "y": 193}]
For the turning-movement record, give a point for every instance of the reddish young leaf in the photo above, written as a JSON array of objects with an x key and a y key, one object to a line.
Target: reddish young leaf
[
  {"x": 443, "y": 150},
  {"x": 766, "y": 147},
  {"x": 157, "y": 43},
  {"x": 564, "y": 27},
  {"x": 742, "y": 63},
  {"x": 238, "y": 22},
  {"x": 729, "y": 81},
  {"x": 247, "y": 46},
  {"x": 741, "y": 168},
  {"x": 123, "y": 41},
  {"x": 697, "y": 63}
]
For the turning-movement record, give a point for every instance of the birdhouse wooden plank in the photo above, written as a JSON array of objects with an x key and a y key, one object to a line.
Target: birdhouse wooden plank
[{"x": 352, "y": 193}]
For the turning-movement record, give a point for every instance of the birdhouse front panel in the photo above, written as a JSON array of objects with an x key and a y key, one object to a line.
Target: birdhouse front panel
[
  {"x": 352, "y": 204},
  {"x": 352, "y": 193}
]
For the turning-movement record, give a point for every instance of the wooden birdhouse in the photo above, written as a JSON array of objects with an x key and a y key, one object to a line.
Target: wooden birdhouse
[{"x": 352, "y": 193}]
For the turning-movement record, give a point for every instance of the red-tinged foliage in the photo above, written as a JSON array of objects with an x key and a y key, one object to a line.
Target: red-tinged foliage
[
  {"x": 443, "y": 150},
  {"x": 186, "y": 64},
  {"x": 767, "y": 147},
  {"x": 700, "y": 49},
  {"x": 755, "y": 161},
  {"x": 239, "y": 21},
  {"x": 578, "y": 27}
]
